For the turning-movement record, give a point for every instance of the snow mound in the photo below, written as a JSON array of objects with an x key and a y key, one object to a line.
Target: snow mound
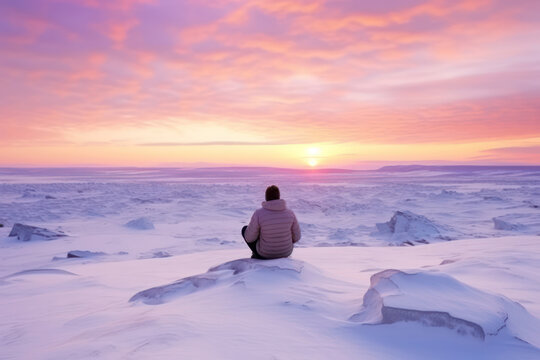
[
  {"x": 447, "y": 194},
  {"x": 438, "y": 300},
  {"x": 232, "y": 272},
  {"x": 140, "y": 224},
  {"x": 161, "y": 254},
  {"x": 84, "y": 254},
  {"x": 28, "y": 233},
  {"x": 155, "y": 255},
  {"x": 406, "y": 227},
  {"x": 42, "y": 272},
  {"x": 501, "y": 224}
]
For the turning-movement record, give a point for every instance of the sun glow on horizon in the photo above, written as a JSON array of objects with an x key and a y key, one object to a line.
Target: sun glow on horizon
[{"x": 313, "y": 155}]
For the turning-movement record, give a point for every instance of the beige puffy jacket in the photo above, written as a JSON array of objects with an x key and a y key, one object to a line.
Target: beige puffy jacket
[{"x": 276, "y": 228}]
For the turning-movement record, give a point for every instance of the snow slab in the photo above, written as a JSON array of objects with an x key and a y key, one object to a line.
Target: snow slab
[
  {"x": 29, "y": 233},
  {"x": 435, "y": 299},
  {"x": 84, "y": 254},
  {"x": 141, "y": 223},
  {"x": 406, "y": 227},
  {"x": 233, "y": 272}
]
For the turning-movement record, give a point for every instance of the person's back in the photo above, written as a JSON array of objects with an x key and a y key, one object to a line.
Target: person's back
[{"x": 273, "y": 228}]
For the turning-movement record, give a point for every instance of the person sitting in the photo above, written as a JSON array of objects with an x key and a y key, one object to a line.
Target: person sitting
[{"x": 273, "y": 228}]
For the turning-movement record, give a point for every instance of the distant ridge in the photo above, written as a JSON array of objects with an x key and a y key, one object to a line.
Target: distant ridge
[
  {"x": 142, "y": 173},
  {"x": 457, "y": 168},
  {"x": 275, "y": 169}
]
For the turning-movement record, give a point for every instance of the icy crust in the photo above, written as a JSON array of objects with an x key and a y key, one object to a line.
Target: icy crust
[
  {"x": 406, "y": 227},
  {"x": 438, "y": 300},
  {"x": 231, "y": 272},
  {"x": 28, "y": 233}
]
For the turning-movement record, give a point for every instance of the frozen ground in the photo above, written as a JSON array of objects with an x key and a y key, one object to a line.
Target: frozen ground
[{"x": 157, "y": 267}]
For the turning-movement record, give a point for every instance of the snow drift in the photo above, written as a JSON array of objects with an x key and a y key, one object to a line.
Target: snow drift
[
  {"x": 406, "y": 227},
  {"x": 439, "y": 300},
  {"x": 84, "y": 254},
  {"x": 141, "y": 223},
  {"x": 236, "y": 271},
  {"x": 28, "y": 233},
  {"x": 502, "y": 224}
]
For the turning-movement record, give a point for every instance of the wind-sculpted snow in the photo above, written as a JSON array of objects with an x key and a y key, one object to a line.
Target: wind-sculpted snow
[
  {"x": 140, "y": 224},
  {"x": 501, "y": 224},
  {"x": 406, "y": 227},
  {"x": 41, "y": 272},
  {"x": 27, "y": 233},
  {"x": 225, "y": 274},
  {"x": 332, "y": 213},
  {"x": 518, "y": 223},
  {"x": 438, "y": 300},
  {"x": 243, "y": 265},
  {"x": 75, "y": 308},
  {"x": 448, "y": 195},
  {"x": 84, "y": 254}
]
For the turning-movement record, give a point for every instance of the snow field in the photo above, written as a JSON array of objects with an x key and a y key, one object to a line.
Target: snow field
[{"x": 186, "y": 288}]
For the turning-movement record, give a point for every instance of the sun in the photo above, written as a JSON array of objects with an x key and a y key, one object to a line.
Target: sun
[{"x": 313, "y": 156}]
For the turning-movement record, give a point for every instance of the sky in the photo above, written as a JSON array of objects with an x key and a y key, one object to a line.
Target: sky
[{"x": 336, "y": 84}]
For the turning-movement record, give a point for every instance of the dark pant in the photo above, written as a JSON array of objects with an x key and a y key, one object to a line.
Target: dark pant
[{"x": 252, "y": 246}]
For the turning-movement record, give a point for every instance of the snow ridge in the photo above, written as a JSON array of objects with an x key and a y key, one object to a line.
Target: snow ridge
[
  {"x": 230, "y": 272},
  {"x": 438, "y": 300},
  {"x": 406, "y": 227},
  {"x": 28, "y": 233}
]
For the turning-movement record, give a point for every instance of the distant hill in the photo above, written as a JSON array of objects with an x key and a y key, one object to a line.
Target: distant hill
[{"x": 456, "y": 168}]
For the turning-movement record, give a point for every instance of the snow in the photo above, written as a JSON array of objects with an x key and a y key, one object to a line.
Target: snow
[
  {"x": 405, "y": 227},
  {"x": 29, "y": 233},
  {"x": 140, "y": 224},
  {"x": 84, "y": 254},
  {"x": 187, "y": 288},
  {"x": 252, "y": 271},
  {"x": 435, "y": 299},
  {"x": 501, "y": 224}
]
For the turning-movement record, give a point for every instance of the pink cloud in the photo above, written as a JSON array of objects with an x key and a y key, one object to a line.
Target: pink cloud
[{"x": 400, "y": 71}]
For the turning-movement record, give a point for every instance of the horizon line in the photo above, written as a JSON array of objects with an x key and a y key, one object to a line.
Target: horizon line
[{"x": 402, "y": 167}]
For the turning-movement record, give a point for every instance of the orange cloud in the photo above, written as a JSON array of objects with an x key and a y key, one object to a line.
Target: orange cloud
[{"x": 407, "y": 72}]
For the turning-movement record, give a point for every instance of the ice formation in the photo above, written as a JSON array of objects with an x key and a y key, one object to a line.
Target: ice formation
[
  {"x": 141, "y": 223},
  {"x": 501, "y": 224},
  {"x": 28, "y": 233},
  {"x": 406, "y": 227},
  {"x": 227, "y": 273},
  {"x": 439, "y": 300},
  {"x": 84, "y": 254}
]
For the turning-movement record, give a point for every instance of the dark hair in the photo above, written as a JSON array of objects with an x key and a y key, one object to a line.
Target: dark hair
[{"x": 272, "y": 193}]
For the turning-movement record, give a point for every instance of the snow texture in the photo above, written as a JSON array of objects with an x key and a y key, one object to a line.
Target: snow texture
[
  {"x": 438, "y": 300},
  {"x": 406, "y": 227},
  {"x": 141, "y": 223},
  {"x": 84, "y": 254},
  {"x": 29, "y": 233},
  {"x": 41, "y": 272},
  {"x": 501, "y": 224},
  {"x": 209, "y": 301},
  {"x": 230, "y": 272}
]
